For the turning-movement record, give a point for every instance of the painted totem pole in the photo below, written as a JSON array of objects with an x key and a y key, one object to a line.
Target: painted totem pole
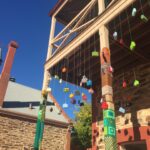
[
  {"x": 40, "y": 122},
  {"x": 41, "y": 113},
  {"x": 107, "y": 101}
]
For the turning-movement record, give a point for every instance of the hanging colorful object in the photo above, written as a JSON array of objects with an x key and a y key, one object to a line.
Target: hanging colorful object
[
  {"x": 84, "y": 79},
  {"x": 77, "y": 92},
  {"x": 95, "y": 53},
  {"x": 91, "y": 91},
  {"x": 59, "y": 112},
  {"x": 51, "y": 109},
  {"x": 80, "y": 83},
  {"x": 71, "y": 95},
  {"x": 89, "y": 83},
  {"x": 101, "y": 100},
  {"x": 104, "y": 105},
  {"x": 124, "y": 84},
  {"x": 64, "y": 69},
  {"x": 84, "y": 97},
  {"x": 66, "y": 89},
  {"x": 73, "y": 101},
  {"x": 132, "y": 45},
  {"x": 56, "y": 77},
  {"x": 60, "y": 81},
  {"x": 136, "y": 82},
  {"x": 129, "y": 98},
  {"x": 115, "y": 35},
  {"x": 44, "y": 93},
  {"x": 121, "y": 41},
  {"x": 48, "y": 90},
  {"x": 81, "y": 103},
  {"x": 110, "y": 69},
  {"x": 144, "y": 18},
  {"x": 49, "y": 79},
  {"x": 65, "y": 105},
  {"x": 40, "y": 121},
  {"x": 134, "y": 11},
  {"x": 128, "y": 104},
  {"x": 122, "y": 110}
]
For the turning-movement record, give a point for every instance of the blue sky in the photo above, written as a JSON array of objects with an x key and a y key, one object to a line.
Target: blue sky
[
  {"x": 27, "y": 22},
  {"x": 61, "y": 97}
]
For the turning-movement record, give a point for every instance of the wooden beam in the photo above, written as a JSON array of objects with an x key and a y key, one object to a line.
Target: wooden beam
[
  {"x": 62, "y": 5},
  {"x": 101, "y": 6},
  {"x": 78, "y": 23},
  {"x": 116, "y": 8},
  {"x": 73, "y": 20},
  {"x": 55, "y": 45},
  {"x": 57, "y": 39},
  {"x": 83, "y": 25},
  {"x": 52, "y": 32},
  {"x": 72, "y": 31},
  {"x": 84, "y": 14}
]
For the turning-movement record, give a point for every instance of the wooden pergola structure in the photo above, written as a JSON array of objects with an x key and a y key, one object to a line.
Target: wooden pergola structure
[{"x": 89, "y": 25}]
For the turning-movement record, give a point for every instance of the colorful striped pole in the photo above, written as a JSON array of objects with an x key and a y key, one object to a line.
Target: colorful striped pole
[
  {"x": 40, "y": 122},
  {"x": 110, "y": 139}
]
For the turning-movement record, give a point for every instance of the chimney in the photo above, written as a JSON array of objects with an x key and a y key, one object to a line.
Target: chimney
[{"x": 5, "y": 75}]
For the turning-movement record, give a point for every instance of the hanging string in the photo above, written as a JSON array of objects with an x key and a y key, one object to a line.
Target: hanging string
[
  {"x": 141, "y": 6},
  {"x": 67, "y": 71},
  {"x": 67, "y": 63},
  {"x": 123, "y": 76},
  {"x": 74, "y": 71},
  {"x": 60, "y": 71},
  {"x": 54, "y": 78},
  {"x": 134, "y": 74},
  {"x": 148, "y": 2},
  {"x": 115, "y": 34},
  {"x": 134, "y": 11},
  {"x": 94, "y": 43},
  {"x": 56, "y": 71},
  {"x": 115, "y": 25},
  {"x": 129, "y": 25},
  {"x": 120, "y": 26},
  {"x": 80, "y": 60},
  {"x": 84, "y": 56},
  {"x": 132, "y": 6},
  {"x": 78, "y": 56},
  {"x": 89, "y": 60}
]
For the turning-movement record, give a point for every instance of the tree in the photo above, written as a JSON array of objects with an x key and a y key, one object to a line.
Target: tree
[{"x": 83, "y": 127}]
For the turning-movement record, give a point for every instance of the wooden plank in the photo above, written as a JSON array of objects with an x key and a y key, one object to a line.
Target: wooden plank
[{"x": 104, "y": 18}]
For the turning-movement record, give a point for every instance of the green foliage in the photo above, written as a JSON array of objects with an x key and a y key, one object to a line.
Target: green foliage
[{"x": 83, "y": 127}]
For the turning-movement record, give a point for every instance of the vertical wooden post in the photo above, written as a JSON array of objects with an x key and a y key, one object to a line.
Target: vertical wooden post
[
  {"x": 107, "y": 91},
  {"x": 101, "y": 6},
  {"x": 52, "y": 33},
  {"x": 106, "y": 85},
  {"x": 41, "y": 113}
]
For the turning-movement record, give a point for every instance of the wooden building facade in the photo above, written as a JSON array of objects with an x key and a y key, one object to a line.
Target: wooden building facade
[{"x": 123, "y": 27}]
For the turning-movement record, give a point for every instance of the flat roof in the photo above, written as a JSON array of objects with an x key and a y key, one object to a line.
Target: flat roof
[{"x": 18, "y": 98}]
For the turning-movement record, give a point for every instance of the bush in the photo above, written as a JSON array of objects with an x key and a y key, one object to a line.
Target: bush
[{"x": 82, "y": 132}]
